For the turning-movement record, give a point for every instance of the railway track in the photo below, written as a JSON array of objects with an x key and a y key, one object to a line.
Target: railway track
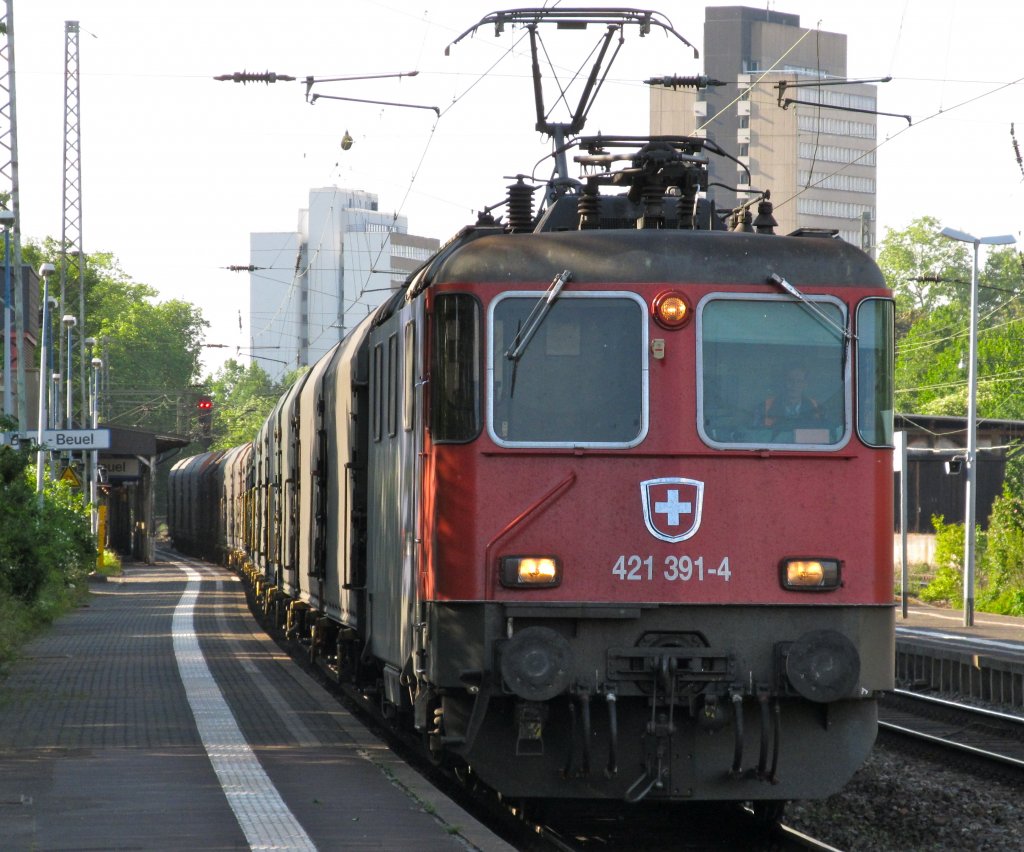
[
  {"x": 991, "y": 740},
  {"x": 568, "y": 827},
  {"x": 672, "y": 828}
]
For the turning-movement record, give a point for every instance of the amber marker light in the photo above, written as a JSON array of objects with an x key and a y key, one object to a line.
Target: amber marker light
[
  {"x": 671, "y": 309},
  {"x": 530, "y": 571},
  {"x": 810, "y": 575}
]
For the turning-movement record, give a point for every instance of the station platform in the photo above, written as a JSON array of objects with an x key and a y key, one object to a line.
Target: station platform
[
  {"x": 925, "y": 618},
  {"x": 936, "y": 651},
  {"x": 160, "y": 716}
]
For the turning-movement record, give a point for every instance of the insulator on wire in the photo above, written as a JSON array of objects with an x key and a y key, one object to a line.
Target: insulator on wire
[
  {"x": 674, "y": 81},
  {"x": 244, "y": 77},
  {"x": 1016, "y": 149}
]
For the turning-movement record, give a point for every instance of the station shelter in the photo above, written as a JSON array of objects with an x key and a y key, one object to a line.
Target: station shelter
[{"x": 128, "y": 486}]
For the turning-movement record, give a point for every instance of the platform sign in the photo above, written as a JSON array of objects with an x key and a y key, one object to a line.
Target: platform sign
[
  {"x": 76, "y": 440},
  {"x": 12, "y": 439},
  {"x": 118, "y": 468}
]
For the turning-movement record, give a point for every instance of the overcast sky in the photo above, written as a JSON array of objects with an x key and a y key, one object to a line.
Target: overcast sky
[{"x": 178, "y": 169}]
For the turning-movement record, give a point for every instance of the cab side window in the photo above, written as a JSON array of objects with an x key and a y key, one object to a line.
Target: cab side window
[{"x": 455, "y": 369}]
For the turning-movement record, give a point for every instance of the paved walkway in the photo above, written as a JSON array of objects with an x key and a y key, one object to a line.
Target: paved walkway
[
  {"x": 987, "y": 628},
  {"x": 161, "y": 717}
]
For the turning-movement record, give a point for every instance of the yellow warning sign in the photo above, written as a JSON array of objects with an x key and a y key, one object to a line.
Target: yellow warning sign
[{"x": 71, "y": 477}]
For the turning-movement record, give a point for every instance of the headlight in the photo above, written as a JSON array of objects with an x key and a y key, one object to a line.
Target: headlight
[
  {"x": 530, "y": 571},
  {"x": 810, "y": 575}
]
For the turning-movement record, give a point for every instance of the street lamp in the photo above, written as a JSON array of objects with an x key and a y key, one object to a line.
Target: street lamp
[
  {"x": 46, "y": 270},
  {"x": 69, "y": 323},
  {"x": 94, "y": 467},
  {"x": 6, "y": 222},
  {"x": 971, "y": 460},
  {"x": 97, "y": 364}
]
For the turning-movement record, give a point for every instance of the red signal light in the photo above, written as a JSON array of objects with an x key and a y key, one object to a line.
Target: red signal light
[{"x": 204, "y": 405}]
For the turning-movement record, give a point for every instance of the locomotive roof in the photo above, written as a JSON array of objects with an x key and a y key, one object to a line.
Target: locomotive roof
[{"x": 665, "y": 256}]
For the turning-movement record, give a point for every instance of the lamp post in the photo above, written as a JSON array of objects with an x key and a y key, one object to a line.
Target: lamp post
[
  {"x": 970, "y": 493},
  {"x": 97, "y": 364},
  {"x": 69, "y": 323},
  {"x": 6, "y": 221},
  {"x": 46, "y": 270}
]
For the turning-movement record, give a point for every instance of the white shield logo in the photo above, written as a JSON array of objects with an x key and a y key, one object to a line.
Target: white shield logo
[{"x": 672, "y": 507}]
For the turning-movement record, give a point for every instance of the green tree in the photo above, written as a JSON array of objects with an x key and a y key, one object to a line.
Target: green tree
[
  {"x": 921, "y": 266},
  {"x": 243, "y": 399},
  {"x": 931, "y": 277},
  {"x": 152, "y": 355},
  {"x": 150, "y": 349}
]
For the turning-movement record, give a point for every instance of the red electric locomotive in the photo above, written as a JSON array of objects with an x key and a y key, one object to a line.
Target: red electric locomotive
[
  {"x": 648, "y": 566},
  {"x": 600, "y": 502}
]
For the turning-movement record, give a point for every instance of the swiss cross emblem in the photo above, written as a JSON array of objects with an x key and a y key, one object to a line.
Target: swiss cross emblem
[{"x": 672, "y": 507}]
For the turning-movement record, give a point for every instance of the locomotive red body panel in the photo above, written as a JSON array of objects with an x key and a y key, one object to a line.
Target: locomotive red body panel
[{"x": 590, "y": 513}]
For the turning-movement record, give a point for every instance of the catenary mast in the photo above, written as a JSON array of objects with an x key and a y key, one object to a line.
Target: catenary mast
[
  {"x": 9, "y": 190},
  {"x": 72, "y": 267}
]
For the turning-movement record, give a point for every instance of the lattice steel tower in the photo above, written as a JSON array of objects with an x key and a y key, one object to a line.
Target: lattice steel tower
[
  {"x": 72, "y": 267},
  {"x": 9, "y": 195}
]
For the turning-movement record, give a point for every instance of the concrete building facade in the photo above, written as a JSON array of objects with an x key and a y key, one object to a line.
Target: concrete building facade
[
  {"x": 803, "y": 142},
  {"x": 310, "y": 286}
]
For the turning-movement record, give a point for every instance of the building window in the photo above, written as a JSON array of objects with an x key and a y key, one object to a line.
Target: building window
[
  {"x": 830, "y": 98},
  {"x": 811, "y": 123},
  {"x": 841, "y": 181},
  {"x": 833, "y": 209},
  {"x": 835, "y": 154}
]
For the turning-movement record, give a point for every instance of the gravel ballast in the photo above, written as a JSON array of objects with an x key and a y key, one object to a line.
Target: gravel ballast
[{"x": 902, "y": 803}]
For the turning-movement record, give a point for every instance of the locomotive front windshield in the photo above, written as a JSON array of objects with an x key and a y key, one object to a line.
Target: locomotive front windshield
[
  {"x": 773, "y": 372},
  {"x": 569, "y": 373}
]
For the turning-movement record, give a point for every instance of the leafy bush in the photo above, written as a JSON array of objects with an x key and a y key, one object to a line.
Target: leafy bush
[
  {"x": 1004, "y": 556},
  {"x": 948, "y": 584},
  {"x": 109, "y": 563},
  {"x": 46, "y": 549},
  {"x": 999, "y": 583},
  {"x": 21, "y": 574}
]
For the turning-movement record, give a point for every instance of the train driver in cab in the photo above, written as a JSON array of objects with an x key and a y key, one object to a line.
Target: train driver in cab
[{"x": 792, "y": 407}]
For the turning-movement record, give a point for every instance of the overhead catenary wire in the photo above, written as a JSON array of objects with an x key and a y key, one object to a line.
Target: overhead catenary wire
[
  {"x": 917, "y": 123},
  {"x": 363, "y": 288}
]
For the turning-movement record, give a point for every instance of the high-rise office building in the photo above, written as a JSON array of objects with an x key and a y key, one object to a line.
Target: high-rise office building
[
  {"x": 805, "y": 142},
  {"x": 310, "y": 286}
]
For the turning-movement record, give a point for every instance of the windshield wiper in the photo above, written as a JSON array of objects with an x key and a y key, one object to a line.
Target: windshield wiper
[
  {"x": 775, "y": 278},
  {"x": 540, "y": 310}
]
